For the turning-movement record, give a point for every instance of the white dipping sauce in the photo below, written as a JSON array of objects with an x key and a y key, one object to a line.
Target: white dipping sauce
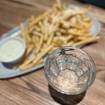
[{"x": 11, "y": 50}]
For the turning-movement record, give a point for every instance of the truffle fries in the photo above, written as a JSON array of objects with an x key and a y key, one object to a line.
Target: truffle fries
[{"x": 57, "y": 27}]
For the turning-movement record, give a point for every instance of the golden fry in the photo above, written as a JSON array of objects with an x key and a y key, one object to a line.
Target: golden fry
[
  {"x": 76, "y": 32},
  {"x": 37, "y": 28},
  {"x": 40, "y": 44},
  {"x": 35, "y": 41},
  {"x": 50, "y": 39},
  {"x": 29, "y": 50},
  {"x": 69, "y": 44},
  {"x": 27, "y": 62},
  {"x": 37, "y": 33},
  {"x": 59, "y": 4},
  {"x": 86, "y": 41},
  {"x": 30, "y": 65},
  {"x": 23, "y": 32},
  {"x": 44, "y": 29}
]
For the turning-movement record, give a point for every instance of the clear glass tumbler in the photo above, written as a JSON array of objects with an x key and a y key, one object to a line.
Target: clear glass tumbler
[{"x": 69, "y": 71}]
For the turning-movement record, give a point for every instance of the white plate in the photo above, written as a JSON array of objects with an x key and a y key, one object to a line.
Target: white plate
[{"x": 7, "y": 72}]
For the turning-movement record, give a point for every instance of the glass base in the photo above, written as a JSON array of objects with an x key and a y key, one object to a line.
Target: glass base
[{"x": 64, "y": 99}]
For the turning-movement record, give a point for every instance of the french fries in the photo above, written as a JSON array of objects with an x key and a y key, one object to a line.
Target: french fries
[{"x": 55, "y": 28}]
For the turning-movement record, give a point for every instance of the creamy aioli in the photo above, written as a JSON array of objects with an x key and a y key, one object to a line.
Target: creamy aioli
[{"x": 11, "y": 50}]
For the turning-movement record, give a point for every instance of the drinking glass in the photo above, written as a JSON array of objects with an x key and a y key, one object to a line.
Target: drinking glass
[{"x": 69, "y": 70}]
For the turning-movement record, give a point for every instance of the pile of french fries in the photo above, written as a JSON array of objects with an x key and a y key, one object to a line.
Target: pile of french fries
[{"x": 57, "y": 27}]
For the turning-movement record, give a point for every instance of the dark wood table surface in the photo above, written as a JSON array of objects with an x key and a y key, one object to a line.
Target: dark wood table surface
[{"x": 32, "y": 89}]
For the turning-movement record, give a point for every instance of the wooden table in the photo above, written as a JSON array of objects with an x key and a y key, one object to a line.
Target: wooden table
[{"x": 32, "y": 89}]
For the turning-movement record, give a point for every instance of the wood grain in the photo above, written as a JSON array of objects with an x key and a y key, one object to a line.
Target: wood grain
[{"x": 32, "y": 89}]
